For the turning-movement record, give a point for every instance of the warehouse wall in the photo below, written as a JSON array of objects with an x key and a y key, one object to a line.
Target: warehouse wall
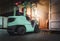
[
  {"x": 55, "y": 15},
  {"x": 6, "y": 9}
]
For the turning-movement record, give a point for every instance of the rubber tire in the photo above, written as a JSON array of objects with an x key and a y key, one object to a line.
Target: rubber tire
[
  {"x": 21, "y": 30},
  {"x": 11, "y": 32},
  {"x": 36, "y": 30}
]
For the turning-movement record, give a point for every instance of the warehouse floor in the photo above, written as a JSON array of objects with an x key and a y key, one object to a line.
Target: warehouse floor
[{"x": 41, "y": 36}]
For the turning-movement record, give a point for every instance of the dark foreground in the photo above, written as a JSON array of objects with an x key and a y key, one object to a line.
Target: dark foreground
[{"x": 41, "y": 36}]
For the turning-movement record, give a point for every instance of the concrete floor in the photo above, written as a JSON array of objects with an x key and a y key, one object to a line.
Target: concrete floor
[{"x": 42, "y": 36}]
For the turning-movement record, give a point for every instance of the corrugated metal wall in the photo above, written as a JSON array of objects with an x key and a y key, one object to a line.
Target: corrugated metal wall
[{"x": 54, "y": 21}]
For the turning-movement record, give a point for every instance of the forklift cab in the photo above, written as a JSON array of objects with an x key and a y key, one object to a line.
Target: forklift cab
[{"x": 20, "y": 23}]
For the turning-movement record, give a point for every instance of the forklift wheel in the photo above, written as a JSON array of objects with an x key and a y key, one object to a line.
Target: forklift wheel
[
  {"x": 21, "y": 30},
  {"x": 11, "y": 33},
  {"x": 36, "y": 30}
]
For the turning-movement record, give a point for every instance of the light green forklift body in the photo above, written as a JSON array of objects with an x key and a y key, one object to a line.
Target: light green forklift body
[{"x": 21, "y": 20}]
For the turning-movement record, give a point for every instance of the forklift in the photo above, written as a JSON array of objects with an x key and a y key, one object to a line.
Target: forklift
[{"x": 20, "y": 23}]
